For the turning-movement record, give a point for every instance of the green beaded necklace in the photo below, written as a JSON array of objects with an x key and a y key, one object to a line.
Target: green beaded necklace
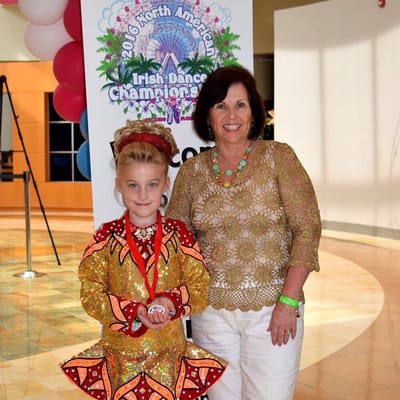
[{"x": 218, "y": 173}]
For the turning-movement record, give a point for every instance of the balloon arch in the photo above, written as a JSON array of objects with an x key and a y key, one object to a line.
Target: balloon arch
[{"x": 54, "y": 32}]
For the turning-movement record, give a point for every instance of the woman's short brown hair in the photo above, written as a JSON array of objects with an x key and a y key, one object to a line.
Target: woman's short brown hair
[{"x": 214, "y": 90}]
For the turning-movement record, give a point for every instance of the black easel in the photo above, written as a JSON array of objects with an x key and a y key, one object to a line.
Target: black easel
[{"x": 3, "y": 80}]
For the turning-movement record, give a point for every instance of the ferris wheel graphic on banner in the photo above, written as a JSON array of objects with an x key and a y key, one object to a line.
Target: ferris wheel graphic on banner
[{"x": 157, "y": 54}]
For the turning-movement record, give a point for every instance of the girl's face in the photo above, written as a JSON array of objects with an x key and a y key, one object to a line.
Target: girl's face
[
  {"x": 230, "y": 119},
  {"x": 142, "y": 186}
]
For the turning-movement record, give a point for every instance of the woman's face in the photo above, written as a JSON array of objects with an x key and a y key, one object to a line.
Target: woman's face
[{"x": 230, "y": 120}]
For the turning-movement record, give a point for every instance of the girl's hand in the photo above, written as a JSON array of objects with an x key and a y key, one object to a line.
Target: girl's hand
[
  {"x": 161, "y": 310},
  {"x": 143, "y": 315},
  {"x": 167, "y": 304},
  {"x": 283, "y": 324},
  {"x": 158, "y": 314}
]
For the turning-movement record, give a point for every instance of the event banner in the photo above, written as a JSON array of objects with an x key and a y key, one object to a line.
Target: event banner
[{"x": 148, "y": 60}]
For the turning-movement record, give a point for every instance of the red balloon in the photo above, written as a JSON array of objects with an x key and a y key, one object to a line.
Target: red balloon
[
  {"x": 69, "y": 104},
  {"x": 73, "y": 20},
  {"x": 68, "y": 66}
]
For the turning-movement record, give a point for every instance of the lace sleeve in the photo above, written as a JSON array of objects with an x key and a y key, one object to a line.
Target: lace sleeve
[{"x": 301, "y": 208}]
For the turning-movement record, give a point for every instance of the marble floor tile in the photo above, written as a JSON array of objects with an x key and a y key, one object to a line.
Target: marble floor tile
[{"x": 352, "y": 320}]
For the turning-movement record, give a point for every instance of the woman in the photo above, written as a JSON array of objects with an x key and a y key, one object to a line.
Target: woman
[{"x": 252, "y": 207}]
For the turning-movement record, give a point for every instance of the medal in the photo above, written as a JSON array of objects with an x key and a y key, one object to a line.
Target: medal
[{"x": 156, "y": 308}]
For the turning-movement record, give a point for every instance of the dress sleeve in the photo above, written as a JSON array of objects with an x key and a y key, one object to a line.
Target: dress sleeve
[
  {"x": 301, "y": 208},
  {"x": 192, "y": 295},
  {"x": 179, "y": 204},
  {"x": 109, "y": 309},
  {"x": 194, "y": 292}
]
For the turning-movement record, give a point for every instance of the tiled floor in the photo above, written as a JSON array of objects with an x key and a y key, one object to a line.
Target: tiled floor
[{"x": 352, "y": 341}]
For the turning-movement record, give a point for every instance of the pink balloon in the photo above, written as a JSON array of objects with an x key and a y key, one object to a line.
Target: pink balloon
[
  {"x": 42, "y": 12},
  {"x": 69, "y": 104},
  {"x": 73, "y": 20},
  {"x": 68, "y": 66},
  {"x": 43, "y": 41},
  {"x": 8, "y": 2}
]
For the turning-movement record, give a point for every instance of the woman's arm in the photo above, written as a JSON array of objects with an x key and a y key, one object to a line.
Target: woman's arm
[{"x": 301, "y": 209}]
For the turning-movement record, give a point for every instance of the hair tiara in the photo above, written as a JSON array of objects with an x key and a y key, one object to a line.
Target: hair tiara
[{"x": 156, "y": 140}]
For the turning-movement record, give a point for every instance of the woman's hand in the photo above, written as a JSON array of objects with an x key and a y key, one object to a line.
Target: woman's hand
[{"x": 283, "y": 324}]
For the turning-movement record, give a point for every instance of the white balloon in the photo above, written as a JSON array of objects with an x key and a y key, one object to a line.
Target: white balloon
[
  {"x": 42, "y": 12},
  {"x": 43, "y": 41}
]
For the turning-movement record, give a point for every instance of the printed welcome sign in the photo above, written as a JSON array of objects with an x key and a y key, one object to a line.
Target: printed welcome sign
[{"x": 148, "y": 60}]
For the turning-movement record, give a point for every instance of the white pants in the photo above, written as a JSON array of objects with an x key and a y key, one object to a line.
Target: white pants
[{"x": 257, "y": 370}]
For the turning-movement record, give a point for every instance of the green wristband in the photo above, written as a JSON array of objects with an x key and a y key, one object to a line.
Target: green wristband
[{"x": 289, "y": 301}]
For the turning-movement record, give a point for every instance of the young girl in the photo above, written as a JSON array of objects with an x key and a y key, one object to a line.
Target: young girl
[{"x": 139, "y": 275}]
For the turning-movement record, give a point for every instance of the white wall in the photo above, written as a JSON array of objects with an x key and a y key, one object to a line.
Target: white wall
[
  {"x": 12, "y": 29},
  {"x": 337, "y": 102}
]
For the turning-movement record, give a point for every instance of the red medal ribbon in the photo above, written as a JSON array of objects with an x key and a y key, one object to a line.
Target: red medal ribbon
[{"x": 138, "y": 257}]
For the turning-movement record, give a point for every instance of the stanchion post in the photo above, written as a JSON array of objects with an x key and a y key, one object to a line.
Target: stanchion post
[{"x": 28, "y": 273}]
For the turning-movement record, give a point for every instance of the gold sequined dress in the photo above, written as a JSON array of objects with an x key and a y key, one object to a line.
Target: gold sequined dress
[
  {"x": 252, "y": 231},
  {"x": 130, "y": 361}
]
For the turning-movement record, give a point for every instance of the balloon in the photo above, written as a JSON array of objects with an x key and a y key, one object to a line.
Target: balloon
[
  {"x": 83, "y": 124},
  {"x": 42, "y": 12},
  {"x": 68, "y": 66},
  {"x": 83, "y": 160},
  {"x": 43, "y": 41},
  {"x": 69, "y": 104},
  {"x": 72, "y": 19},
  {"x": 8, "y": 2}
]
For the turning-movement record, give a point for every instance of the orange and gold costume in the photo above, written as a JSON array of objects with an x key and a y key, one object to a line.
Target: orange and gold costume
[{"x": 131, "y": 362}]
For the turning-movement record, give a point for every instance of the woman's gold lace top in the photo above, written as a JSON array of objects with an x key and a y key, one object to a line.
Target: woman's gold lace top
[{"x": 251, "y": 232}]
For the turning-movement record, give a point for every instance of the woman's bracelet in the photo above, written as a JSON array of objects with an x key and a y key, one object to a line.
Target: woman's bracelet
[
  {"x": 292, "y": 303},
  {"x": 289, "y": 301}
]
